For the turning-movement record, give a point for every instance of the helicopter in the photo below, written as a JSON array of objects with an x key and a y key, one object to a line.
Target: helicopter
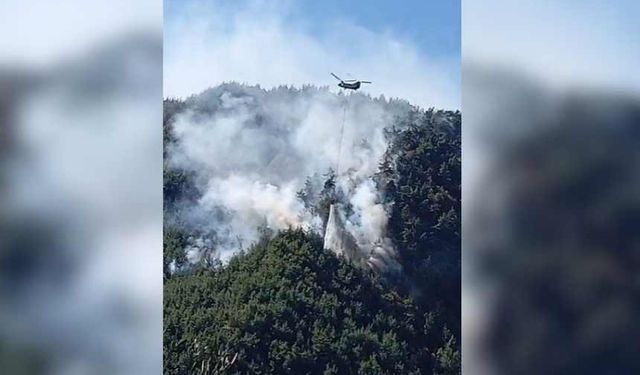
[{"x": 352, "y": 84}]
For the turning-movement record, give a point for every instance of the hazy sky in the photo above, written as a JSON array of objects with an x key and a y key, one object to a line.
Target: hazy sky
[
  {"x": 410, "y": 51},
  {"x": 571, "y": 42},
  {"x": 45, "y": 32}
]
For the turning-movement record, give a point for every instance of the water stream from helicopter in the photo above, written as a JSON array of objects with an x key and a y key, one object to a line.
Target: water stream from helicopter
[
  {"x": 344, "y": 117},
  {"x": 334, "y": 237}
]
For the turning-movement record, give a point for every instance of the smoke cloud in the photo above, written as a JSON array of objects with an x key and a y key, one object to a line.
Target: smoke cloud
[{"x": 252, "y": 151}]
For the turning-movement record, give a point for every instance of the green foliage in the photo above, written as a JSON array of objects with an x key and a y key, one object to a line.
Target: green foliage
[
  {"x": 171, "y": 107},
  {"x": 178, "y": 184},
  {"x": 420, "y": 177},
  {"x": 287, "y": 306},
  {"x": 317, "y": 196},
  {"x": 448, "y": 361},
  {"x": 174, "y": 242},
  {"x": 319, "y": 193}
]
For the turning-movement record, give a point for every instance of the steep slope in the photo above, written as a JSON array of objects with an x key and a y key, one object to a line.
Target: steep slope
[
  {"x": 420, "y": 178},
  {"x": 288, "y": 306},
  {"x": 240, "y": 161}
]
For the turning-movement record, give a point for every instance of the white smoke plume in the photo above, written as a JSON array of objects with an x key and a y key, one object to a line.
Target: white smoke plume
[
  {"x": 253, "y": 149},
  {"x": 369, "y": 224},
  {"x": 337, "y": 239}
]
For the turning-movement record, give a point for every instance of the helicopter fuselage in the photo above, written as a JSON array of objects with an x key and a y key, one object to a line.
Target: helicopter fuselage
[{"x": 350, "y": 86}]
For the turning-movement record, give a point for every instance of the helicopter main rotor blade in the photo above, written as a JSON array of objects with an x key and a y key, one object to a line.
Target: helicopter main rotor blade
[
  {"x": 365, "y": 81},
  {"x": 336, "y": 77}
]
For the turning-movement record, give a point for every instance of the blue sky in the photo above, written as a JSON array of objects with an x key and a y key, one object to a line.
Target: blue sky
[
  {"x": 433, "y": 25},
  {"x": 410, "y": 50}
]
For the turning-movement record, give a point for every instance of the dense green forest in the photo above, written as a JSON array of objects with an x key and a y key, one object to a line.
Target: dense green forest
[
  {"x": 421, "y": 175},
  {"x": 288, "y": 306},
  {"x": 285, "y": 305}
]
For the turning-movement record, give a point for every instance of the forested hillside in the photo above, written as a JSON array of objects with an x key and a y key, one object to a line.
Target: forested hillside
[
  {"x": 421, "y": 177},
  {"x": 287, "y": 306},
  {"x": 280, "y": 303}
]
